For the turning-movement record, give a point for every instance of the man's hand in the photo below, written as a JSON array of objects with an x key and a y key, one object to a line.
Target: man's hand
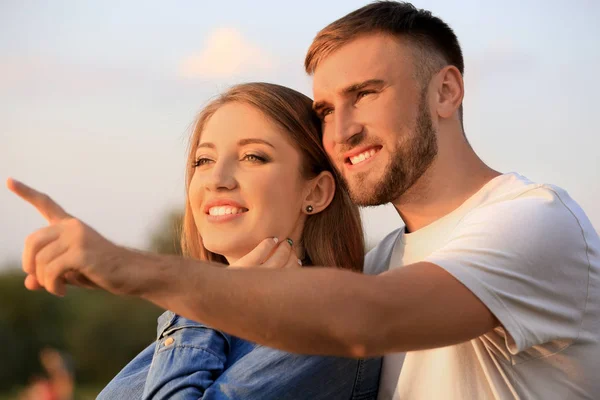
[{"x": 67, "y": 250}]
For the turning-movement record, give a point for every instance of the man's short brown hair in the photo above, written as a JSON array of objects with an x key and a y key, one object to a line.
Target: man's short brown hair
[{"x": 434, "y": 44}]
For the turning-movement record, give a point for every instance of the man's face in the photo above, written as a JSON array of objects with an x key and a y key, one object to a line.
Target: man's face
[{"x": 377, "y": 127}]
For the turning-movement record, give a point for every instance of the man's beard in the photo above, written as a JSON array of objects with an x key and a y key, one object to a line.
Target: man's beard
[{"x": 406, "y": 166}]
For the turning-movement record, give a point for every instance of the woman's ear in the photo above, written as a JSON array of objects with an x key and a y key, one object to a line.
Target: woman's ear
[{"x": 320, "y": 194}]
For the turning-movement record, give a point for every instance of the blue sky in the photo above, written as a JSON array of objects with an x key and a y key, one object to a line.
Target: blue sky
[{"x": 97, "y": 98}]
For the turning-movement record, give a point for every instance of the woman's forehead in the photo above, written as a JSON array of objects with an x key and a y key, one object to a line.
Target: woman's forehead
[{"x": 234, "y": 121}]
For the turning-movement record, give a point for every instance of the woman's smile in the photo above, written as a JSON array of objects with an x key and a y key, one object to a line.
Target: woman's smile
[{"x": 223, "y": 210}]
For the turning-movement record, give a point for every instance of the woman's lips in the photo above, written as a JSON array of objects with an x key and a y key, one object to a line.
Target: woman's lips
[
  {"x": 225, "y": 213},
  {"x": 226, "y": 210}
]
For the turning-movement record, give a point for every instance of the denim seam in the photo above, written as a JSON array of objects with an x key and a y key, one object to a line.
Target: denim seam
[
  {"x": 186, "y": 346},
  {"x": 358, "y": 378}
]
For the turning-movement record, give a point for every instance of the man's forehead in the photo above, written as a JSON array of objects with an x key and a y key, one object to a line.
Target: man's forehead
[{"x": 374, "y": 56}]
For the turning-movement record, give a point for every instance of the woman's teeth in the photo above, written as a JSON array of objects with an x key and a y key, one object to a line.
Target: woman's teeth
[
  {"x": 362, "y": 156},
  {"x": 225, "y": 210}
]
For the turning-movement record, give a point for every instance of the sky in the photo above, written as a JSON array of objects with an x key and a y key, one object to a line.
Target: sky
[{"x": 97, "y": 98}]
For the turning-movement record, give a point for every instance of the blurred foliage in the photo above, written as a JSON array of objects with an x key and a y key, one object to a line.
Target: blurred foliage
[
  {"x": 165, "y": 238},
  {"x": 99, "y": 332}
]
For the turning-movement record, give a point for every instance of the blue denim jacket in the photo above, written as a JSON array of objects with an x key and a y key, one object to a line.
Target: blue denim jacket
[{"x": 190, "y": 360}]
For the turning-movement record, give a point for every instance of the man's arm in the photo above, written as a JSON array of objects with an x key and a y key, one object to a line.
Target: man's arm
[
  {"x": 319, "y": 310},
  {"x": 309, "y": 310}
]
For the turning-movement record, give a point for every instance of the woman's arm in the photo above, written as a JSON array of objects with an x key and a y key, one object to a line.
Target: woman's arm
[
  {"x": 269, "y": 374},
  {"x": 189, "y": 357}
]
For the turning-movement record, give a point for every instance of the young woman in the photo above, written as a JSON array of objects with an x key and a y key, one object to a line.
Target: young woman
[{"x": 256, "y": 170}]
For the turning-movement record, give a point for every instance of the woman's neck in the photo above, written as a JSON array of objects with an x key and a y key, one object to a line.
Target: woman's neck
[{"x": 298, "y": 249}]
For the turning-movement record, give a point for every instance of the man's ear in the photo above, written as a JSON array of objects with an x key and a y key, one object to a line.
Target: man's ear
[
  {"x": 320, "y": 193},
  {"x": 450, "y": 91}
]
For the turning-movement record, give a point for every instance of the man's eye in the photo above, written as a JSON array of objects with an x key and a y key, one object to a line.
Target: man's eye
[
  {"x": 364, "y": 93},
  {"x": 325, "y": 113}
]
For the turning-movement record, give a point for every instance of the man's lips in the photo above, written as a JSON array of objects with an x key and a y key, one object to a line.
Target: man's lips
[{"x": 360, "y": 155}]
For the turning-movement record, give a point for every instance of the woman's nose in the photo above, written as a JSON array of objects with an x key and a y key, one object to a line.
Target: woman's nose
[{"x": 222, "y": 177}]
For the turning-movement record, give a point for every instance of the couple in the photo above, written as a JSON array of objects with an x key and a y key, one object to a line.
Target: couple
[{"x": 491, "y": 290}]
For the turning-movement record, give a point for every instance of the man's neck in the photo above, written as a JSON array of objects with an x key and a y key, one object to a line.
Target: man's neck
[{"x": 447, "y": 184}]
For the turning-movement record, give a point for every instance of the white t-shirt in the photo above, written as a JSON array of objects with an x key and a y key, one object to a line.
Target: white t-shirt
[{"x": 531, "y": 255}]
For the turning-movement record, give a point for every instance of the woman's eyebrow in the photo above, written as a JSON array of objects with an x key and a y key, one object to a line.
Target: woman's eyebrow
[
  {"x": 242, "y": 142},
  {"x": 206, "y": 144},
  {"x": 246, "y": 141}
]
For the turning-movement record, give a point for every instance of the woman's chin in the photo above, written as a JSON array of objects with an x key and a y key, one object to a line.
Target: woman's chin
[{"x": 231, "y": 252}]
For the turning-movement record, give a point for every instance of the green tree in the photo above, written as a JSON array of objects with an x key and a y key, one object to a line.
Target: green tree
[
  {"x": 100, "y": 332},
  {"x": 165, "y": 238}
]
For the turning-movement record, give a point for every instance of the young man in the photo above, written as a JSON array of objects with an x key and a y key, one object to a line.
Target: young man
[{"x": 493, "y": 285}]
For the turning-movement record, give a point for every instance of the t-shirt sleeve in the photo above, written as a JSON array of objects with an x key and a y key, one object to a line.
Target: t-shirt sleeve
[
  {"x": 526, "y": 260},
  {"x": 377, "y": 259}
]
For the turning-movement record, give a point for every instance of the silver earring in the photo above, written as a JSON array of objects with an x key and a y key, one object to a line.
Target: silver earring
[{"x": 309, "y": 208}]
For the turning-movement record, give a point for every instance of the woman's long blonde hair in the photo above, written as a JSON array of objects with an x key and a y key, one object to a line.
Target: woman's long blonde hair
[{"x": 332, "y": 237}]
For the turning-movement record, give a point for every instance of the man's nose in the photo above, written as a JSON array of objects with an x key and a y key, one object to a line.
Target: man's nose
[{"x": 345, "y": 126}]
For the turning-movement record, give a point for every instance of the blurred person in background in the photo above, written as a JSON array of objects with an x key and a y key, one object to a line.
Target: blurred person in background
[
  {"x": 57, "y": 381},
  {"x": 60, "y": 373},
  {"x": 39, "y": 388}
]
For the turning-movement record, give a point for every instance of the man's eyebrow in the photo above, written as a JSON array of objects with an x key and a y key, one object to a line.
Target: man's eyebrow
[
  {"x": 355, "y": 87},
  {"x": 319, "y": 105}
]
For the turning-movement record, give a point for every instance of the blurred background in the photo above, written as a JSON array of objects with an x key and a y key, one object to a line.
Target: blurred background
[{"x": 97, "y": 101}]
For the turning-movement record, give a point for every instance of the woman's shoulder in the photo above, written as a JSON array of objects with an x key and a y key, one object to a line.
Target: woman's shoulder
[{"x": 174, "y": 330}]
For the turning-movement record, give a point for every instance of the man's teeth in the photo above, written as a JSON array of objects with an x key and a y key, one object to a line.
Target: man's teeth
[
  {"x": 362, "y": 156},
  {"x": 225, "y": 210}
]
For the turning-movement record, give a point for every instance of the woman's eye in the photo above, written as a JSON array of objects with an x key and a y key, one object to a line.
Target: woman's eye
[
  {"x": 200, "y": 161},
  {"x": 254, "y": 158}
]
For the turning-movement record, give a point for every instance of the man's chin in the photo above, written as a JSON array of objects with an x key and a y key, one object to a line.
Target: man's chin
[{"x": 364, "y": 194}]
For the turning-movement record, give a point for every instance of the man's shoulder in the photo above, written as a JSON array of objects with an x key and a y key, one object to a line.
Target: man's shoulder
[
  {"x": 517, "y": 196},
  {"x": 527, "y": 195},
  {"x": 541, "y": 216},
  {"x": 377, "y": 259}
]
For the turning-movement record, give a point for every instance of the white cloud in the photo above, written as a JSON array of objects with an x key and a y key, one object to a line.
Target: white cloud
[{"x": 226, "y": 53}]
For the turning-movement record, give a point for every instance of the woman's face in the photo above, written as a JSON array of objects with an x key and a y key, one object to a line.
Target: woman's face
[{"x": 247, "y": 183}]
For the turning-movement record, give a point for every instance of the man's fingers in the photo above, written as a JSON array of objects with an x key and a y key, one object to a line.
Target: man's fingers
[
  {"x": 34, "y": 244},
  {"x": 45, "y": 257},
  {"x": 258, "y": 255},
  {"x": 77, "y": 279},
  {"x": 31, "y": 283},
  {"x": 50, "y": 252},
  {"x": 54, "y": 280},
  {"x": 49, "y": 209}
]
